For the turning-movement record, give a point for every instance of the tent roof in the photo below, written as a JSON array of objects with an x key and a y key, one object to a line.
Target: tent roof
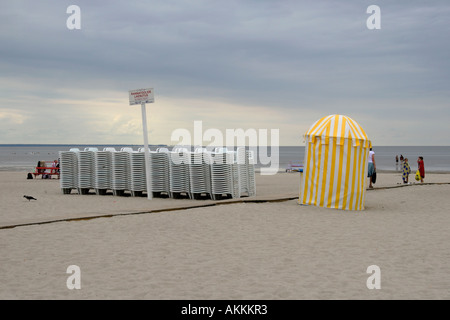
[{"x": 337, "y": 126}]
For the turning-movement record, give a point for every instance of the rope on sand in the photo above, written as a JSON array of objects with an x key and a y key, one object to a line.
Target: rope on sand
[
  {"x": 223, "y": 202},
  {"x": 280, "y": 198},
  {"x": 408, "y": 185}
]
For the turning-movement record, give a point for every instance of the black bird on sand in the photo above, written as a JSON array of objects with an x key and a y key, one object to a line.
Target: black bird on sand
[{"x": 29, "y": 198}]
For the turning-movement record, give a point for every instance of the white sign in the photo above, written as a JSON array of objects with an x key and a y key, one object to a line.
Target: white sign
[{"x": 140, "y": 96}]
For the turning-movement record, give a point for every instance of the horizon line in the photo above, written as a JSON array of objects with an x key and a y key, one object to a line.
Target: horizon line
[{"x": 133, "y": 144}]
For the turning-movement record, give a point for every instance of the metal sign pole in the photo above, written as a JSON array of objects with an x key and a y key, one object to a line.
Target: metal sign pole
[
  {"x": 144, "y": 96},
  {"x": 147, "y": 153}
]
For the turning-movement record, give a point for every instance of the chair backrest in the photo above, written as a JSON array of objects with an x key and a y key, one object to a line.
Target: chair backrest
[
  {"x": 220, "y": 149},
  {"x": 199, "y": 150}
]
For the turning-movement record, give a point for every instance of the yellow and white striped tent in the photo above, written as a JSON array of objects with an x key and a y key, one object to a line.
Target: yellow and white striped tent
[{"x": 335, "y": 165}]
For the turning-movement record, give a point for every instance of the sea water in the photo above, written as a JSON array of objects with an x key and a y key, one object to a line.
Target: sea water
[{"x": 436, "y": 158}]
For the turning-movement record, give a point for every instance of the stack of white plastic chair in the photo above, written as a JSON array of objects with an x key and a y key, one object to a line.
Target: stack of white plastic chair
[
  {"x": 68, "y": 168},
  {"x": 137, "y": 178},
  {"x": 159, "y": 164},
  {"x": 179, "y": 180},
  {"x": 120, "y": 172},
  {"x": 250, "y": 163},
  {"x": 86, "y": 170},
  {"x": 199, "y": 173},
  {"x": 222, "y": 174},
  {"x": 103, "y": 173},
  {"x": 236, "y": 177},
  {"x": 220, "y": 149},
  {"x": 241, "y": 171},
  {"x": 128, "y": 150}
]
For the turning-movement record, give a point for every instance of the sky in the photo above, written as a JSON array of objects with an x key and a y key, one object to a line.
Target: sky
[{"x": 236, "y": 64}]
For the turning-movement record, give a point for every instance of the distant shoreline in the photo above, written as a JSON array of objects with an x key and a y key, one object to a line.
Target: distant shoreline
[
  {"x": 23, "y": 157},
  {"x": 165, "y": 145}
]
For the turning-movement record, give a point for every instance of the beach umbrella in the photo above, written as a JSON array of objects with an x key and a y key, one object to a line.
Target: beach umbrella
[{"x": 335, "y": 164}]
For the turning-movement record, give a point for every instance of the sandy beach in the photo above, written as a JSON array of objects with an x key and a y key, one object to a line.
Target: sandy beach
[{"x": 263, "y": 247}]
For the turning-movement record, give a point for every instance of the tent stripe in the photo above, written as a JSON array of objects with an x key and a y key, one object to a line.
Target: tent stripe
[
  {"x": 321, "y": 134},
  {"x": 343, "y": 151},
  {"x": 355, "y": 134},
  {"x": 319, "y": 160},
  {"x": 312, "y": 181},
  {"x": 314, "y": 127},
  {"x": 333, "y": 168},
  {"x": 317, "y": 126},
  {"x": 346, "y": 198},
  {"x": 357, "y": 197},
  {"x": 332, "y": 174},
  {"x": 313, "y": 171},
  {"x": 325, "y": 166},
  {"x": 361, "y": 134},
  {"x": 339, "y": 180}
]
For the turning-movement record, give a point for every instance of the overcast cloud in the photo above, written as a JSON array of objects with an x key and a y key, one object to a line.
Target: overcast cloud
[{"x": 261, "y": 64}]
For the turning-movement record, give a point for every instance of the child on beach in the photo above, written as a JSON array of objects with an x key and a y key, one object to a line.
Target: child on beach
[
  {"x": 406, "y": 170},
  {"x": 421, "y": 168}
]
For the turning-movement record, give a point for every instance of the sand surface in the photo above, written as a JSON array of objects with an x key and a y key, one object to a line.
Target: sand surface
[{"x": 247, "y": 250}]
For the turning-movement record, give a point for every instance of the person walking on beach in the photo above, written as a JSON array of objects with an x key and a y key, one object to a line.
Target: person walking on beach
[
  {"x": 372, "y": 167},
  {"x": 421, "y": 168},
  {"x": 406, "y": 170}
]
